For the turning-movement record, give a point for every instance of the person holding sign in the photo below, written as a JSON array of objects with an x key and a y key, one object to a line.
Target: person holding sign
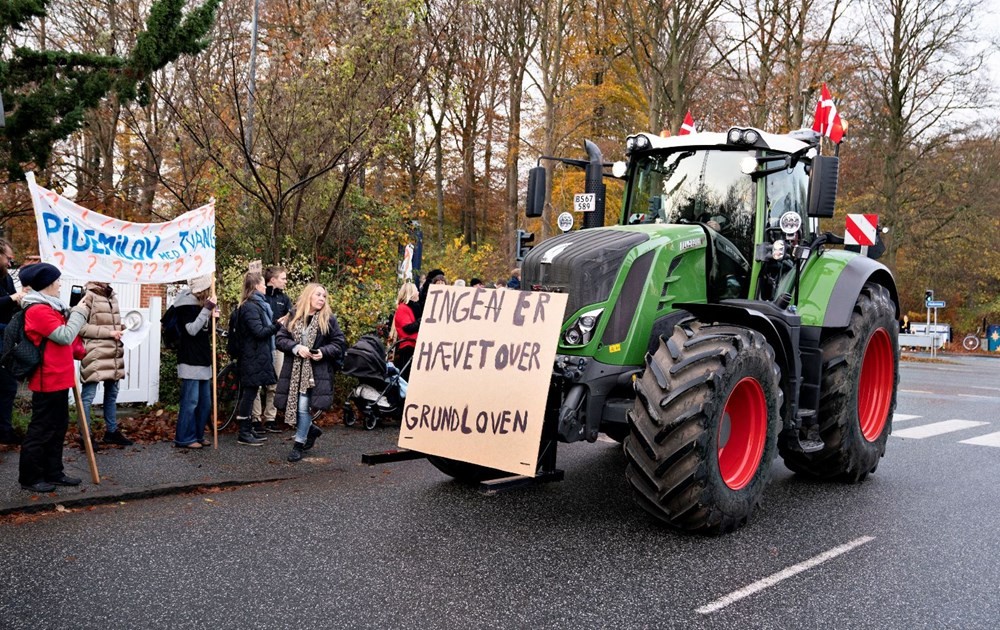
[
  {"x": 105, "y": 358},
  {"x": 256, "y": 329},
  {"x": 313, "y": 344},
  {"x": 195, "y": 307},
  {"x": 47, "y": 326}
]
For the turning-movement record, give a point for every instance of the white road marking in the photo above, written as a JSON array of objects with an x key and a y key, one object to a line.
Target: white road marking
[
  {"x": 914, "y": 391},
  {"x": 937, "y": 428},
  {"x": 784, "y": 574},
  {"x": 979, "y": 396},
  {"x": 990, "y": 439},
  {"x": 603, "y": 438},
  {"x": 902, "y": 417}
]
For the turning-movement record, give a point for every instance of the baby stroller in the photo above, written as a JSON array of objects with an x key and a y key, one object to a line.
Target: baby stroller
[{"x": 381, "y": 390}]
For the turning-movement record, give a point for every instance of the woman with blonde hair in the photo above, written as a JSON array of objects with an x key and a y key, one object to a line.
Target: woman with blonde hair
[
  {"x": 406, "y": 325},
  {"x": 313, "y": 345},
  {"x": 255, "y": 327}
]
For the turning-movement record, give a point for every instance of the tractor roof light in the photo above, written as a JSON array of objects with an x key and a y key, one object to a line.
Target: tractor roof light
[{"x": 748, "y": 137}]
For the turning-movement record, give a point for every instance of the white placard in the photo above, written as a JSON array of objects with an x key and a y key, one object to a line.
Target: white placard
[{"x": 584, "y": 202}]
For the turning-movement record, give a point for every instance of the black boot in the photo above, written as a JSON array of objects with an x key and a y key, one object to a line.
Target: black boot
[
  {"x": 258, "y": 431},
  {"x": 297, "y": 453},
  {"x": 246, "y": 436},
  {"x": 314, "y": 432}
]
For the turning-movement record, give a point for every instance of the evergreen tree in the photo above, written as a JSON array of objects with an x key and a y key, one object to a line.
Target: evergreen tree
[{"x": 47, "y": 92}]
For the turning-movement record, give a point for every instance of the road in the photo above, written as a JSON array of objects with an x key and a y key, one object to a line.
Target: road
[{"x": 400, "y": 546}]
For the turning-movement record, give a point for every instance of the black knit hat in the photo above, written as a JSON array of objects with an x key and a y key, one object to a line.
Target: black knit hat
[{"x": 39, "y": 275}]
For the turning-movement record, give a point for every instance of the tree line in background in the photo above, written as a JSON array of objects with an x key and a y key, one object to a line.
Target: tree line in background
[{"x": 361, "y": 117}]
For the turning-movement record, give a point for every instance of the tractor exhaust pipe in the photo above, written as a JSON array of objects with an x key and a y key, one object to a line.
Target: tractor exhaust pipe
[{"x": 594, "y": 185}]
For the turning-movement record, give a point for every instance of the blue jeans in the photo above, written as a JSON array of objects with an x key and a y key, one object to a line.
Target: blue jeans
[
  {"x": 304, "y": 419},
  {"x": 89, "y": 390},
  {"x": 194, "y": 412}
]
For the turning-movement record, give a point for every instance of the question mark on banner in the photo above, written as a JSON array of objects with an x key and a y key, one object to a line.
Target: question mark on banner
[
  {"x": 200, "y": 260},
  {"x": 166, "y": 267},
  {"x": 61, "y": 257},
  {"x": 93, "y": 261},
  {"x": 180, "y": 264},
  {"x": 152, "y": 271},
  {"x": 138, "y": 270},
  {"x": 118, "y": 267}
]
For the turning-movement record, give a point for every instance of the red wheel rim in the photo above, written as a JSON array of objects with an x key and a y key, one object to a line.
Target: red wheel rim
[
  {"x": 875, "y": 386},
  {"x": 742, "y": 433}
]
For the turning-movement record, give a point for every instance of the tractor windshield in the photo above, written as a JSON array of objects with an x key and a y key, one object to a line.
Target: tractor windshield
[{"x": 705, "y": 186}]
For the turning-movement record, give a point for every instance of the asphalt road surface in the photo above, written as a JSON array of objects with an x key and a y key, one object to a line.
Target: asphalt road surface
[{"x": 401, "y": 546}]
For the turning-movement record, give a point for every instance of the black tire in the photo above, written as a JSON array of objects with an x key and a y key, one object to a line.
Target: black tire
[
  {"x": 228, "y": 394},
  {"x": 350, "y": 415},
  {"x": 857, "y": 392},
  {"x": 465, "y": 472},
  {"x": 706, "y": 385},
  {"x": 371, "y": 419}
]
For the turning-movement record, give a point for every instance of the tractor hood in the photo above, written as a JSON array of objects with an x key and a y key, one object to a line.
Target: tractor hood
[{"x": 583, "y": 264}]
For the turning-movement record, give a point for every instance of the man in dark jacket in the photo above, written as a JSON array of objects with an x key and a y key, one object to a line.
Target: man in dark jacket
[
  {"x": 264, "y": 416},
  {"x": 10, "y": 302}
]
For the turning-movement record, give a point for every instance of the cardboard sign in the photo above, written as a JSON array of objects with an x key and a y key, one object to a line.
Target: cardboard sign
[
  {"x": 256, "y": 266},
  {"x": 480, "y": 376}
]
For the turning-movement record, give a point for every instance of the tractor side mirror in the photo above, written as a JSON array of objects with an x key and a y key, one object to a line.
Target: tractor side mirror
[
  {"x": 823, "y": 186},
  {"x": 536, "y": 192}
]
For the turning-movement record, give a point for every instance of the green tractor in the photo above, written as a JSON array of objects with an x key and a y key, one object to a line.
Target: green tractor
[{"x": 715, "y": 326}]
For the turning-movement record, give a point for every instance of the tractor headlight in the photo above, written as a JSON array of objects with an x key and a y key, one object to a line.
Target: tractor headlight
[
  {"x": 581, "y": 331},
  {"x": 734, "y": 135}
]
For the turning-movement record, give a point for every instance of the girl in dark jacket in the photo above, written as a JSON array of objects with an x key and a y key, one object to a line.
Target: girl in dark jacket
[
  {"x": 195, "y": 309},
  {"x": 313, "y": 344},
  {"x": 255, "y": 363}
]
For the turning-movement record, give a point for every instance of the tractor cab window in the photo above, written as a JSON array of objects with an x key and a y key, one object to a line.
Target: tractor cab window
[
  {"x": 704, "y": 186},
  {"x": 787, "y": 191}
]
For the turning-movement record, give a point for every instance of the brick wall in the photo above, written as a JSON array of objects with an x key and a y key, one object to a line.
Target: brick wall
[{"x": 151, "y": 290}]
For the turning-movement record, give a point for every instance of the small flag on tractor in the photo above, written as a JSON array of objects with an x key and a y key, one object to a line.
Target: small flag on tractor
[
  {"x": 687, "y": 127},
  {"x": 861, "y": 229},
  {"x": 827, "y": 120}
]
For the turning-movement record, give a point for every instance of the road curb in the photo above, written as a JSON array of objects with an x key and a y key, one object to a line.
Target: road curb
[{"x": 51, "y": 503}]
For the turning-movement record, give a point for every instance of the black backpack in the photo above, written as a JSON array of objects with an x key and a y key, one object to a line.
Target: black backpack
[
  {"x": 20, "y": 356},
  {"x": 233, "y": 335},
  {"x": 171, "y": 329}
]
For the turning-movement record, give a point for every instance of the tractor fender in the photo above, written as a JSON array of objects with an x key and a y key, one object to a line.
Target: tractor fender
[
  {"x": 858, "y": 271},
  {"x": 751, "y": 315}
]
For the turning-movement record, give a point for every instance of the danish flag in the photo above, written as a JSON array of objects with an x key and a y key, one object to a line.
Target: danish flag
[
  {"x": 827, "y": 120},
  {"x": 687, "y": 127}
]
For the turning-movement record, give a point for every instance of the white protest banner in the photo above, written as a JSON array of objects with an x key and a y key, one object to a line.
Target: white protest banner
[
  {"x": 480, "y": 376},
  {"x": 97, "y": 247}
]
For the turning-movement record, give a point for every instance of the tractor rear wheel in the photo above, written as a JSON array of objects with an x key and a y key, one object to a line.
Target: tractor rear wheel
[
  {"x": 465, "y": 472},
  {"x": 704, "y": 427},
  {"x": 857, "y": 392}
]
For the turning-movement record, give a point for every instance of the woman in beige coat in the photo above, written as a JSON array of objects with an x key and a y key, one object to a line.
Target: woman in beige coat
[{"x": 105, "y": 358}]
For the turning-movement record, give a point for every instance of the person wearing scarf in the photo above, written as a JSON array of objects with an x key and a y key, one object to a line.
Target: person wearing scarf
[
  {"x": 255, "y": 361},
  {"x": 313, "y": 345},
  {"x": 41, "y": 465}
]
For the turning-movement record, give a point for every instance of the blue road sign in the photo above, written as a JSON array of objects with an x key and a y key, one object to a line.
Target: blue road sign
[{"x": 935, "y": 303}]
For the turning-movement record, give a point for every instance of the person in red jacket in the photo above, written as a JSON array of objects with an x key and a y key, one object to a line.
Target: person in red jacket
[
  {"x": 45, "y": 318},
  {"x": 406, "y": 325}
]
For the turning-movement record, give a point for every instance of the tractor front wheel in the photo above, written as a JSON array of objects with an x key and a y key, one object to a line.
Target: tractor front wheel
[
  {"x": 704, "y": 427},
  {"x": 857, "y": 392}
]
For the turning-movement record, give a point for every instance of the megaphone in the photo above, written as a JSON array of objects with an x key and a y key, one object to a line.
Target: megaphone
[{"x": 133, "y": 320}]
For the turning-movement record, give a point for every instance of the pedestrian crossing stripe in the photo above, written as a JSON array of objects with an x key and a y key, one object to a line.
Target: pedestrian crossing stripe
[
  {"x": 937, "y": 428},
  {"x": 990, "y": 439},
  {"x": 902, "y": 417}
]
